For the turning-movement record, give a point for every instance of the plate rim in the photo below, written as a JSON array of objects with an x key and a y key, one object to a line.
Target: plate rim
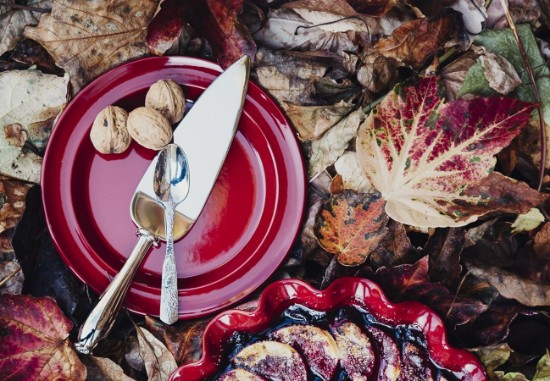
[{"x": 141, "y": 293}]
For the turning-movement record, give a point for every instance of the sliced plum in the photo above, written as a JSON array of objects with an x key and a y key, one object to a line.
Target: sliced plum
[
  {"x": 240, "y": 375},
  {"x": 272, "y": 360},
  {"x": 356, "y": 352},
  {"x": 317, "y": 346},
  {"x": 415, "y": 364},
  {"x": 389, "y": 355}
]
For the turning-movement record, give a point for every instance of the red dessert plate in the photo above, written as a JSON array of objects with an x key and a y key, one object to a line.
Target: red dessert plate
[
  {"x": 245, "y": 230},
  {"x": 350, "y": 291}
]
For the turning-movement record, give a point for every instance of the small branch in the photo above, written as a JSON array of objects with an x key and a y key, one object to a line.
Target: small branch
[
  {"x": 6, "y": 279},
  {"x": 525, "y": 59},
  {"x": 25, "y": 8}
]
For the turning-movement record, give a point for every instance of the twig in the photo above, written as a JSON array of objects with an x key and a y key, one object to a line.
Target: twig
[
  {"x": 525, "y": 59},
  {"x": 25, "y": 8},
  {"x": 6, "y": 279}
]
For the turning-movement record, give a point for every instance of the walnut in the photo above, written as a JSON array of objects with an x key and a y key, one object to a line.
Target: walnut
[
  {"x": 167, "y": 97},
  {"x": 109, "y": 133},
  {"x": 149, "y": 128}
]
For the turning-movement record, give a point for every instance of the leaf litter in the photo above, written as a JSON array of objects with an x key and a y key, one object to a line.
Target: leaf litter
[{"x": 421, "y": 146}]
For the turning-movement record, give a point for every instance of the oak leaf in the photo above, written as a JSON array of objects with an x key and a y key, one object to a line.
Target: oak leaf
[
  {"x": 31, "y": 101},
  {"x": 87, "y": 38},
  {"x": 35, "y": 341},
  {"x": 422, "y": 154},
  {"x": 350, "y": 225}
]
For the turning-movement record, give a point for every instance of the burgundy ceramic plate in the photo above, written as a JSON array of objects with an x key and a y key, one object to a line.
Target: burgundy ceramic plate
[
  {"x": 350, "y": 291},
  {"x": 245, "y": 230}
]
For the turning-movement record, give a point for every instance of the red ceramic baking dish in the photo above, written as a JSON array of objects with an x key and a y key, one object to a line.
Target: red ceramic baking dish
[{"x": 344, "y": 293}]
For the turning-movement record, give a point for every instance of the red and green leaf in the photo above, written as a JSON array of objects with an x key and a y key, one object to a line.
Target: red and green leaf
[
  {"x": 351, "y": 225},
  {"x": 422, "y": 154}
]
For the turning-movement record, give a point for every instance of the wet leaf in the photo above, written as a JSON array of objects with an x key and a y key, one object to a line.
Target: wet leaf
[
  {"x": 12, "y": 202},
  {"x": 326, "y": 150},
  {"x": 528, "y": 221},
  {"x": 312, "y": 121},
  {"x": 353, "y": 178},
  {"x": 159, "y": 362},
  {"x": 350, "y": 225},
  {"x": 422, "y": 154},
  {"x": 35, "y": 344},
  {"x": 88, "y": 38},
  {"x": 109, "y": 370},
  {"x": 413, "y": 42},
  {"x": 512, "y": 286},
  {"x": 31, "y": 101}
]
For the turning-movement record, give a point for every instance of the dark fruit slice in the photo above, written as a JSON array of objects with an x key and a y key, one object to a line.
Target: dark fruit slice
[
  {"x": 390, "y": 358},
  {"x": 317, "y": 346},
  {"x": 240, "y": 375},
  {"x": 273, "y": 360},
  {"x": 415, "y": 364},
  {"x": 356, "y": 353}
]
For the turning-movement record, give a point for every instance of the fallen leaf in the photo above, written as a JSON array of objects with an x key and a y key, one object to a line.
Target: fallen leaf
[
  {"x": 541, "y": 243},
  {"x": 326, "y": 150},
  {"x": 351, "y": 225},
  {"x": 312, "y": 121},
  {"x": 377, "y": 72},
  {"x": 444, "y": 248},
  {"x": 12, "y": 270},
  {"x": 347, "y": 166},
  {"x": 133, "y": 356},
  {"x": 183, "y": 340},
  {"x": 167, "y": 28},
  {"x": 87, "y": 38},
  {"x": 31, "y": 102},
  {"x": 307, "y": 236},
  {"x": 413, "y": 42},
  {"x": 332, "y": 91},
  {"x": 454, "y": 74},
  {"x": 12, "y": 24},
  {"x": 528, "y": 221},
  {"x": 288, "y": 78},
  {"x": 422, "y": 154},
  {"x": 500, "y": 73},
  {"x": 512, "y": 286},
  {"x": 35, "y": 340},
  {"x": 522, "y": 11},
  {"x": 394, "y": 249},
  {"x": 12, "y": 202},
  {"x": 372, "y": 7},
  {"x": 30, "y": 52},
  {"x": 159, "y": 362},
  {"x": 493, "y": 356},
  {"x": 543, "y": 368},
  {"x": 110, "y": 370}
]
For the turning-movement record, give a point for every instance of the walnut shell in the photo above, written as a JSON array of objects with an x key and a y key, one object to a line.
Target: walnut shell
[
  {"x": 149, "y": 128},
  {"x": 109, "y": 133},
  {"x": 167, "y": 97}
]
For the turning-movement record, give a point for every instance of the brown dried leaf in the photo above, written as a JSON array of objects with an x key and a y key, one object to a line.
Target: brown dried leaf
[
  {"x": 351, "y": 225},
  {"x": 522, "y": 11},
  {"x": 87, "y": 38},
  {"x": 312, "y": 121},
  {"x": 499, "y": 72},
  {"x": 512, "y": 286},
  {"x": 444, "y": 248},
  {"x": 347, "y": 166},
  {"x": 110, "y": 370},
  {"x": 12, "y": 202},
  {"x": 11, "y": 270},
  {"x": 453, "y": 75},
  {"x": 167, "y": 28},
  {"x": 493, "y": 356},
  {"x": 12, "y": 24},
  {"x": 414, "y": 41},
  {"x": 372, "y": 7},
  {"x": 541, "y": 242},
  {"x": 394, "y": 249},
  {"x": 35, "y": 340},
  {"x": 159, "y": 362}
]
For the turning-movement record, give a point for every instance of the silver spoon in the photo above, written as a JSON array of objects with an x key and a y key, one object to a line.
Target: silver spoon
[{"x": 171, "y": 185}]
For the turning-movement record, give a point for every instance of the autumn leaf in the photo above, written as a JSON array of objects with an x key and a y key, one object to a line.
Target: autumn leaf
[
  {"x": 14, "y": 21},
  {"x": 31, "y": 101},
  {"x": 109, "y": 369},
  {"x": 35, "y": 341},
  {"x": 12, "y": 202},
  {"x": 159, "y": 362},
  {"x": 541, "y": 243},
  {"x": 87, "y": 38},
  {"x": 422, "y": 154},
  {"x": 167, "y": 27},
  {"x": 350, "y": 225},
  {"x": 353, "y": 178}
]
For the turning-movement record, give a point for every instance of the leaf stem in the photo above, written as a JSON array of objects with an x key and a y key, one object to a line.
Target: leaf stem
[
  {"x": 373, "y": 104},
  {"x": 26, "y": 8},
  {"x": 525, "y": 59},
  {"x": 6, "y": 279}
]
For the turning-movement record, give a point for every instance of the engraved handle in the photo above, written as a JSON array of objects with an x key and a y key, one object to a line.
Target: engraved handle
[
  {"x": 101, "y": 319},
  {"x": 169, "y": 291}
]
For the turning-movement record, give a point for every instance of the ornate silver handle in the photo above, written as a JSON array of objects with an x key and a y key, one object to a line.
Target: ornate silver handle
[
  {"x": 101, "y": 319},
  {"x": 169, "y": 293}
]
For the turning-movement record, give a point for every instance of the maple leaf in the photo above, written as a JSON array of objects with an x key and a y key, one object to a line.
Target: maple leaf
[
  {"x": 351, "y": 225},
  {"x": 87, "y": 38},
  {"x": 422, "y": 154},
  {"x": 35, "y": 344}
]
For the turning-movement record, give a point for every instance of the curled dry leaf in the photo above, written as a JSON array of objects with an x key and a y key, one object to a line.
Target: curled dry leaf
[
  {"x": 347, "y": 166},
  {"x": 109, "y": 369},
  {"x": 159, "y": 362},
  {"x": 326, "y": 150},
  {"x": 351, "y": 225},
  {"x": 12, "y": 202},
  {"x": 312, "y": 121},
  {"x": 454, "y": 74},
  {"x": 31, "y": 101},
  {"x": 422, "y": 154},
  {"x": 12, "y": 24},
  {"x": 499, "y": 72},
  {"x": 45, "y": 353},
  {"x": 88, "y": 38}
]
